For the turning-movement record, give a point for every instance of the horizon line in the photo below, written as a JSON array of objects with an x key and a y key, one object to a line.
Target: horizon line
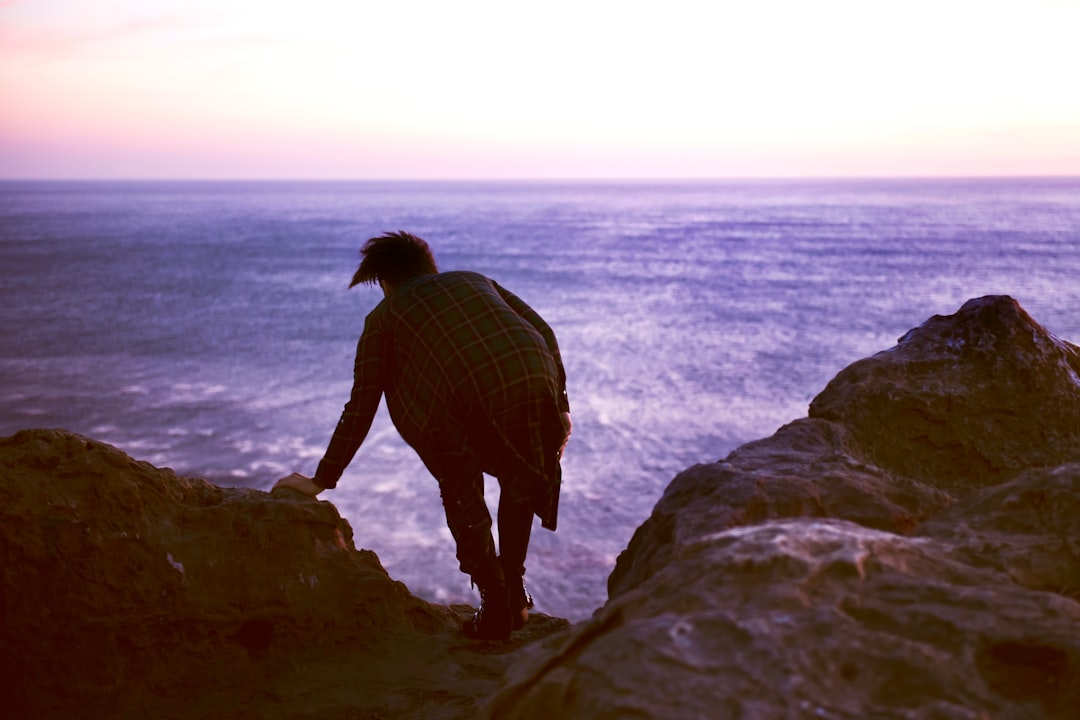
[{"x": 549, "y": 179}]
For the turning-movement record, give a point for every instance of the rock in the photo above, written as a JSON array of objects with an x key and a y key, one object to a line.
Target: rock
[
  {"x": 1027, "y": 528},
  {"x": 909, "y": 550},
  {"x": 127, "y": 591},
  {"x": 810, "y": 618},
  {"x": 966, "y": 400},
  {"x": 809, "y": 468}
]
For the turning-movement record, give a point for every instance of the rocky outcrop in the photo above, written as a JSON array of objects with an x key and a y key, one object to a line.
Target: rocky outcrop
[
  {"x": 129, "y": 592},
  {"x": 909, "y": 550},
  {"x": 963, "y": 401}
]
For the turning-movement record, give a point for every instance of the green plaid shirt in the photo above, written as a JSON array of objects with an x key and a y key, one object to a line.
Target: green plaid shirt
[{"x": 456, "y": 355}]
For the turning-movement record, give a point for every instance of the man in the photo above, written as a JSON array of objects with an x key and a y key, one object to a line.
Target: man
[{"x": 474, "y": 382}]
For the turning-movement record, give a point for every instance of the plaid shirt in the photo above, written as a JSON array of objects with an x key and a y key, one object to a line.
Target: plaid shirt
[{"x": 456, "y": 355}]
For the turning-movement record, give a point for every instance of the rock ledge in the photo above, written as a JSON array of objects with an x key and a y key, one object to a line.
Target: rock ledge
[{"x": 911, "y": 549}]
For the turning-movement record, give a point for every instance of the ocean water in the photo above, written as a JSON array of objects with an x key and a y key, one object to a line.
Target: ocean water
[{"x": 208, "y": 327}]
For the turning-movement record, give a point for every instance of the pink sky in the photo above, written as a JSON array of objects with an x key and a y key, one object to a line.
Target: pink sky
[{"x": 480, "y": 89}]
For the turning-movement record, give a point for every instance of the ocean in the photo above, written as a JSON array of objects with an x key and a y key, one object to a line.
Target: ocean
[{"x": 208, "y": 326}]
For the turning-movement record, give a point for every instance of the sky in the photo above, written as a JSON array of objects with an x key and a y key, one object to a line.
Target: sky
[{"x": 489, "y": 89}]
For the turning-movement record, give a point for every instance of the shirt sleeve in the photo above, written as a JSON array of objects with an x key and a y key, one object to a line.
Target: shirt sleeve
[
  {"x": 522, "y": 308},
  {"x": 359, "y": 411}
]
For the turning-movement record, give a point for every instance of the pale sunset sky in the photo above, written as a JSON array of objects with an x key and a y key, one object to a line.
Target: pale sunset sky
[{"x": 394, "y": 89}]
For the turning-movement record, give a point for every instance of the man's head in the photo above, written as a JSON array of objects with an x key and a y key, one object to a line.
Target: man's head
[{"x": 393, "y": 258}]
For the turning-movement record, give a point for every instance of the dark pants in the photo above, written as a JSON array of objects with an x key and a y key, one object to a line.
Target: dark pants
[
  {"x": 523, "y": 455},
  {"x": 470, "y": 523}
]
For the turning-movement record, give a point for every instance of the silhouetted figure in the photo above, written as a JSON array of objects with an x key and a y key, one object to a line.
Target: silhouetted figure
[{"x": 474, "y": 382}]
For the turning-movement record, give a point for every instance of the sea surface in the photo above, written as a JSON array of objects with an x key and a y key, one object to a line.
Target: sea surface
[{"x": 208, "y": 327}]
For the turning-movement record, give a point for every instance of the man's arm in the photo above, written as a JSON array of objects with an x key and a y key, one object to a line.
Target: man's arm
[{"x": 359, "y": 411}]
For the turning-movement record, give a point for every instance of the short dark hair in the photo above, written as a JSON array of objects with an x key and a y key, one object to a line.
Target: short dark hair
[{"x": 394, "y": 257}]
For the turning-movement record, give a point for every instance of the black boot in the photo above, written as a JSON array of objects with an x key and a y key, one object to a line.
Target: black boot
[
  {"x": 520, "y": 599},
  {"x": 493, "y": 620}
]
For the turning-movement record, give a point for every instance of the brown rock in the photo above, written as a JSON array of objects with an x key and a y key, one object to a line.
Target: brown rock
[
  {"x": 811, "y": 618},
  {"x": 1027, "y": 528},
  {"x": 967, "y": 400},
  {"x": 910, "y": 550},
  {"x": 127, "y": 591},
  {"x": 809, "y": 468}
]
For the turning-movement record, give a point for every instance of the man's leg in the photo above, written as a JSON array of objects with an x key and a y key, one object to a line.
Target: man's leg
[
  {"x": 522, "y": 452},
  {"x": 515, "y": 529},
  {"x": 469, "y": 521}
]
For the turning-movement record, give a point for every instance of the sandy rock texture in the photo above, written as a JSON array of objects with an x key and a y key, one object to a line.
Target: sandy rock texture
[
  {"x": 911, "y": 549},
  {"x": 127, "y": 591}
]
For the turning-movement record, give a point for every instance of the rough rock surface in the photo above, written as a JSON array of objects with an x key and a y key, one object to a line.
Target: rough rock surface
[
  {"x": 129, "y": 592},
  {"x": 909, "y": 550}
]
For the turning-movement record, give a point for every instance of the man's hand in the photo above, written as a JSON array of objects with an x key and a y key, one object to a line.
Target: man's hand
[{"x": 300, "y": 483}]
